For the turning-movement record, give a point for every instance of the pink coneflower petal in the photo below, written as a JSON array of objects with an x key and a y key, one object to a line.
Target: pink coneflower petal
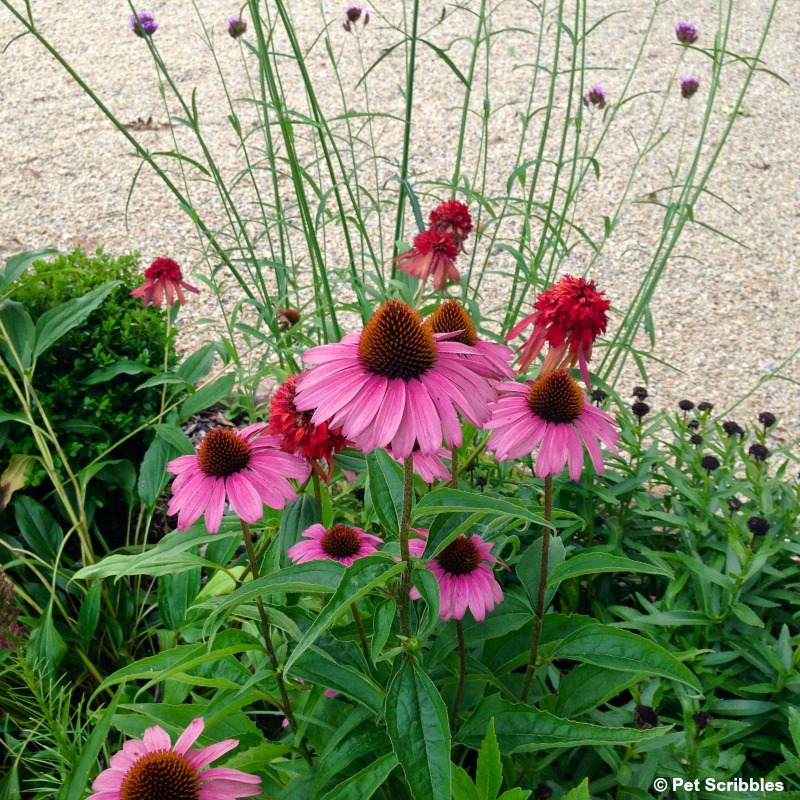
[
  {"x": 555, "y": 414},
  {"x": 153, "y": 768},
  {"x": 395, "y": 385}
]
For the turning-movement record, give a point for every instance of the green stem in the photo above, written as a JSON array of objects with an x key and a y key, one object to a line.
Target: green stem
[
  {"x": 462, "y": 671},
  {"x": 361, "y": 634},
  {"x": 537, "y": 625},
  {"x": 454, "y": 467},
  {"x": 405, "y": 527}
]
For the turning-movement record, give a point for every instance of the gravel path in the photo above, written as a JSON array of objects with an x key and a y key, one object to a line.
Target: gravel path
[{"x": 725, "y": 315}]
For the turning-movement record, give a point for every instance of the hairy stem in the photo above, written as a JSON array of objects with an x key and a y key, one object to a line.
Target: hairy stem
[{"x": 462, "y": 671}]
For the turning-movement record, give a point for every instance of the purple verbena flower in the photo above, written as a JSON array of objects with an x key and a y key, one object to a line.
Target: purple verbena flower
[
  {"x": 689, "y": 86},
  {"x": 236, "y": 26},
  {"x": 596, "y": 96},
  {"x": 352, "y": 14},
  {"x": 686, "y": 32},
  {"x": 143, "y": 24}
]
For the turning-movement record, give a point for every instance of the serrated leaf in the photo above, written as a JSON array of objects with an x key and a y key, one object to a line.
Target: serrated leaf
[
  {"x": 580, "y": 792},
  {"x": 416, "y": 721},
  {"x": 489, "y": 773}
]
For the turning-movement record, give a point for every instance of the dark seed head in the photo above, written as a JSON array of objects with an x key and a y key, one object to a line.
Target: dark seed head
[
  {"x": 767, "y": 419},
  {"x": 758, "y": 526},
  {"x": 693, "y": 424},
  {"x": 640, "y": 409},
  {"x": 460, "y": 557},
  {"x": 758, "y": 452},
  {"x": 639, "y": 392},
  {"x": 645, "y": 718},
  {"x": 685, "y": 405},
  {"x": 709, "y": 463},
  {"x": 702, "y": 719},
  {"x": 705, "y": 406},
  {"x": 598, "y": 395},
  {"x": 734, "y": 504},
  {"x": 696, "y": 439},
  {"x": 732, "y": 428},
  {"x": 481, "y": 480}
]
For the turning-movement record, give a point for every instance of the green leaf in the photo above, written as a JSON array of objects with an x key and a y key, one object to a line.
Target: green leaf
[
  {"x": 38, "y": 528},
  {"x": 522, "y": 729},
  {"x": 592, "y": 563},
  {"x": 580, "y": 792},
  {"x": 529, "y": 568},
  {"x": 587, "y": 686},
  {"x": 89, "y": 614},
  {"x": 297, "y": 517},
  {"x": 75, "y": 788},
  {"x": 416, "y": 721},
  {"x": 382, "y": 621},
  {"x": 612, "y": 648},
  {"x": 17, "y": 264},
  {"x": 153, "y": 472},
  {"x": 125, "y": 366},
  {"x": 175, "y": 437},
  {"x": 362, "y": 577},
  {"x": 45, "y": 642},
  {"x": 9, "y": 786},
  {"x": 463, "y": 787},
  {"x": 21, "y": 334},
  {"x": 207, "y": 396},
  {"x": 489, "y": 773},
  {"x": 449, "y": 500},
  {"x": 53, "y": 324},
  {"x": 515, "y": 794},
  {"x": 428, "y": 587},
  {"x": 318, "y": 668},
  {"x": 386, "y": 489},
  {"x": 365, "y": 783},
  {"x": 176, "y": 592},
  {"x": 197, "y": 365},
  {"x": 747, "y": 615}
]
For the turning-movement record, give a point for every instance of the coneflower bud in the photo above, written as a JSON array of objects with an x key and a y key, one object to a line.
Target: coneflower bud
[
  {"x": 598, "y": 395},
  {"x": 702, "y": 719},
  {"x": 709, "y": 463},
  {"x": 639, "y": 392},
  {"x": 696, "y": 439},
  {"x": 758, "y": 526},
  {"x": 640, "y": 409},
  {"x": 734, "y": 504},
  {"x": 758, "y": 452},
  {"x": 693, "y": 424}
]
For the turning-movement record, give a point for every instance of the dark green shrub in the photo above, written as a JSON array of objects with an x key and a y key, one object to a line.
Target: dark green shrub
[{"x": 87, "y": 418}]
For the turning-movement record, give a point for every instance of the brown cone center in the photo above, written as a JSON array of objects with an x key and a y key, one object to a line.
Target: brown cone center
[
  {"x": 556, "y": 397},
  {"x": 341, "y": 542},
  {"x": 223, "y": 452},
  {"x": 460, "y": 557},
  {"x": 450, "y": 317},
  {"x": 164, "y": 775},
  {"x": 396, "y": 344}
]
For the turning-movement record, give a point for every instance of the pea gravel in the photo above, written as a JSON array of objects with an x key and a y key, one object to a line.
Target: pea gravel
[{"x": 725, "y": 315}]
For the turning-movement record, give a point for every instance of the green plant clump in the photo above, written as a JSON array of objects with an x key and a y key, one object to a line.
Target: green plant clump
[{"x": 89, "y": 415}]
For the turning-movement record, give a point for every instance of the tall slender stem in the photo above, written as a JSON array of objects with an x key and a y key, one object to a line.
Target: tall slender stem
[
  {"x": 361, "y": 634},
  {"x": 166, "y": 362},
  {"x": 462, "y": 658},
  {"x": 454, "y": 467},
  {"x": 273, "y": 658},
  {"x": 537, "y": 623},
  {"x": 405, "y": 527}
]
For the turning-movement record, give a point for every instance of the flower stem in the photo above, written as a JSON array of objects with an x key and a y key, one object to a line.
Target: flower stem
[
  {"x": 462, "y": 658},
  {"x": 405, "y": 526},
  {"x": 537, "y": 623},
  {"x": 273, "y": 658},
  {"x": 454, "y": 467},
  {"x": 361, "y": 634},
  {"x": 166, "y": 363}
]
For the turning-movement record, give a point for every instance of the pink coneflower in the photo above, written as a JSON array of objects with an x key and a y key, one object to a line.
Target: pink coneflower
[
  {"x": 152, "y": 768},
  {"x": 163, "y": 275},
  {"x": 488, "y": 359},
  {"x": 452, "y": 217},
  {"x": 569, "y": 316},
  {"x": 428, "y": 466},
  {"x": 465, "y": 578},
  {"x": 433, "y": 253},
  {"x": 555, "y": 414},
  {"x": 244, "y": 467},
  {"x": 394, "y": 385},
  {"x": 298, "y": 434},
  {"x": 340, "y": 543}
]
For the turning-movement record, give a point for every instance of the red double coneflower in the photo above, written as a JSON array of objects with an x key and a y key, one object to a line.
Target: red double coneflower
[
  {"x": 569, "y": 316},
  {"x": 298, "y": 434},
  {"x": 163, "y": 277},
  {"x": 452, "y": 217},
  {"x": 433, "y": 254}
]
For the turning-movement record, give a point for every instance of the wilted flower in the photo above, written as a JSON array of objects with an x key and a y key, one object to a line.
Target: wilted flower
[
  {"x": 569, "y": 316},
  {"x": 640, "y": 409},
  {"x": 298, "y": 434},
  {"x": 163, "y": 276},
  {"x": 352, "y": 14},
  {"x": 639, "y": 392},
  {"x": 689, "y": 86},
  {"x": 595, "y": 97},
  {"x": 236, "y": 26},
  {"x": 10, "y": 630},
  {"x": 452, "y": 217},
  {"x": 758, "y": 452},
  {"x": 339, "y": 543},
  {"x": 394, "y": 384},
  {"x": 767, "y": 419},
  {"x": 702, "y": 719},
  {"x": 645, "y": 718},
  {"x": 143, "y": 24},
  {"x": 153, "y": 768},
  {"x": 686, "y": 32},
  {"x": 553, "y": 411},
  {"x": 433, "y": 254},
  {"x": 245, "y": 467},
  {"x": 758, "y": 526},
  {"x": 705, "y": 406}
]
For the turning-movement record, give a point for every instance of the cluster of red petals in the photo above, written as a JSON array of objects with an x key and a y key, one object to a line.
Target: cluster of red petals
[
  {"x": 452, "y": 217},
  {"x": 162, "y": 277},
  {"x": 433, "y": 254},
  {"x": 296, "y": 431},
  {"x": 569, "y": 316}
]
